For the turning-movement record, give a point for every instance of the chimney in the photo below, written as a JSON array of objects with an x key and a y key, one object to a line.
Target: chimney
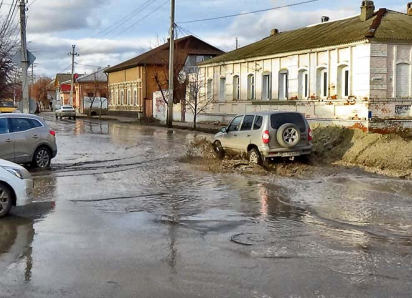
[
  {"x": 274, "y": 32},
  {"x": 409, "y": 9},
  {"x": 325, "y": 19},
  {"x": 367, "y": 10}
]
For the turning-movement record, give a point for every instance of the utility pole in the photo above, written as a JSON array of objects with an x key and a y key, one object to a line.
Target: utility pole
[
  {"x": 32, "y": 81},
  {"x": 24, "y": 59},
  {"x": 171, "y": 66},
  {"x": 73, "y": 54}
]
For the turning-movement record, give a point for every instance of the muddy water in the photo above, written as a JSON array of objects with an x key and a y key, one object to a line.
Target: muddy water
[{"x": 119, "y": 215}]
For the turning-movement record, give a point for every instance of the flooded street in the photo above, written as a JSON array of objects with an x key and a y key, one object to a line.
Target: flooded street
[{"x": 119, "y": 215}]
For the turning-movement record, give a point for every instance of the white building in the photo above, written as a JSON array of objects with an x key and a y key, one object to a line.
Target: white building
[{"x": 340, "y": 71}]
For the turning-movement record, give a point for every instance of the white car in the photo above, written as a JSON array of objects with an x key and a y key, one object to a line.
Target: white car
[{"x": 16, "y": 186}]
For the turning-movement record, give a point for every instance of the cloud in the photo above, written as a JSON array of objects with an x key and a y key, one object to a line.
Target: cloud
[
  {"x": 56, "y": 16},
  {"x": 52, "y": 52}
]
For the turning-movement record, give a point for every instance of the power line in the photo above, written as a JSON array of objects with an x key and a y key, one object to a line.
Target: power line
[
  {"x": 31, "y": 3},
  {"x": 129, "y": 27},
  {"x": 9, "y": 19},
  {"x": 120, "y": 22},
  {"x": 247, "y": 13}
]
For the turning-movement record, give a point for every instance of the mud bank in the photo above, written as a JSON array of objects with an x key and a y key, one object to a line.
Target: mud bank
[
  {"x": 390, "y": 154},
  {"x": 334, "y": 147}
]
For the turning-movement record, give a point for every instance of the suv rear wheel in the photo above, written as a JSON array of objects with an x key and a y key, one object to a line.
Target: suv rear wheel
[
  {"x": 6, "y": 199},
  {"x": 42, "y": 158},
  {"x": 288, "y": 135}
]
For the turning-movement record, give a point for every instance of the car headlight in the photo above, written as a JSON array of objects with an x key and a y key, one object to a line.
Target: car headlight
[{"x": 15, "y": 172}]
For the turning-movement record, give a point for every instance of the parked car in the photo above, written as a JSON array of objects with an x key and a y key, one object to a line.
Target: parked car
[
  {"x": 16, "y": 186},
  {"x": 265, "y": 136},
  {"x": 27, "y": 139},
  {"x": 7, "y": 106},
  {"x": 66, "y": 111}
]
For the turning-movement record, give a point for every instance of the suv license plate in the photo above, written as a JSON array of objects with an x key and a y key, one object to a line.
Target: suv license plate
[{"x": 290, "y": 154}]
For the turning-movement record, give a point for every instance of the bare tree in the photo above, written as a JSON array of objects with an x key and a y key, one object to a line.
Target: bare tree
[
  {"x": 8, "y": 71},
  {"x": 196, "y": 98},
  {"x": 96, "y": 94},
  {"x": 101, "y": 105},
  {"x": 40, "y": 89}
]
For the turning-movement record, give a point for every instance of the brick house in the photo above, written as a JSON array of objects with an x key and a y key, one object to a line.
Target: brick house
[
  {"x": 351, "y": 70},
  {"x": 132, "y": 83},
  {"x": 89, "y": 86}
]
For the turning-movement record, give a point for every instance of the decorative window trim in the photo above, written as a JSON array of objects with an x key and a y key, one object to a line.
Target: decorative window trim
[
  {"x": 237, "y": 90},
  {"x": 304, "y": 78},
  {"x": 222, "y": 95},
  {"x": 251, "y": 92},
  {"x": 320, "y": 85}
]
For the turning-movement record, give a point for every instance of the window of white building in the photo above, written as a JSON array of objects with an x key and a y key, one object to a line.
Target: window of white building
[
  {"x": 251, "y": 86},
  {"x": 343, "y": 81},
  {"x": 236, "y": 87},
  {"x": 283, "y": 84},
  {"x": 129, "y": 98},
  {"x": 117, "y": 98},
  {"x": 322, "y": 83},
  {"x": 303, "y": 84},
  {"x": 209, "y": 89},
  {"x": 266, "y": 86},
  {"x": 222, "y": 91},
  {"x": 135, "y": 97},
  {"x": 403, "y": 80},
  {"x": 122, "y": 97}
]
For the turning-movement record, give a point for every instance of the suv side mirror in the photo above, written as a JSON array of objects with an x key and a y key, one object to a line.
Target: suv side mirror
[{"x": 223, "y": 130}]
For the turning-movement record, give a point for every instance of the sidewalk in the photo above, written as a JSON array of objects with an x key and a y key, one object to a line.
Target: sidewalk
[{"x": 202, "y": 127}]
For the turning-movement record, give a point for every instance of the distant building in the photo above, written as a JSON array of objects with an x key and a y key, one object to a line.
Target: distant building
[
  {"x": 88, "y": 86},
  {"x": 62, "y": 85},
  {"x": 350, "y": 69},
  {"x": 132, "y": 83}
]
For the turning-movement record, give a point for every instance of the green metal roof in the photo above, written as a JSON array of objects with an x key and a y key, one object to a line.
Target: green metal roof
[{"x": 390, "y": 25}]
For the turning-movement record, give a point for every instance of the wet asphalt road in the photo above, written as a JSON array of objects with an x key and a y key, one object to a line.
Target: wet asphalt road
[{"x": 119, "y": 216}]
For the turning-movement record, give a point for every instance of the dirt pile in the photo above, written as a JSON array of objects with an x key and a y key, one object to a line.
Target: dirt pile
[
  {"x": 385, "y": 154},
  {"x": 201, "y": 147}
]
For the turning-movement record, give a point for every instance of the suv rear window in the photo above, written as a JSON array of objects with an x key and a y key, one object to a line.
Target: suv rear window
[
  {"x": 277, "y": 120},
  {"x": 258, "y": 123}
]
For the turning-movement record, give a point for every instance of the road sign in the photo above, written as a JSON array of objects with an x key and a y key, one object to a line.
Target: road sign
[{"x": 17, "y": 58}]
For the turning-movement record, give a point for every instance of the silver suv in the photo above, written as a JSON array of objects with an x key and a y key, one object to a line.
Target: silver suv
[
  {"x": 266, "y": 135},
  {"x": 27, "y": 139}
]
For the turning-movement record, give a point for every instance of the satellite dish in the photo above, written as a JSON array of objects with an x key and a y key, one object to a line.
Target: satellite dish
[{"x": 182, "y": 77}]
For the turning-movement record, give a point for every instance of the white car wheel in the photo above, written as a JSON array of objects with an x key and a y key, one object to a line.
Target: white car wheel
[{"x": 6, "y": 200}]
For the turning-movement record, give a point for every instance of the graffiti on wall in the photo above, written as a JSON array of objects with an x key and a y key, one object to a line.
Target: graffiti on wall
[{"x": 403, "y": 110}]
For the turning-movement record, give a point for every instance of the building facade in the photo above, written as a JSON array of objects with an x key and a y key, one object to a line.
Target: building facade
[
  {"x": 91, "y": 86},
  {"x": 351, "y": 69},
  {"x": 132, "y": 83}
]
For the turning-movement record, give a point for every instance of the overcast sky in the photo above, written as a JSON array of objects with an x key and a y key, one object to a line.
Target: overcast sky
[{"x": 107, "y": 32}]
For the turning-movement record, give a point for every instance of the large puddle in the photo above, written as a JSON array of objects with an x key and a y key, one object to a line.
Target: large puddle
[{"x": 120, "y": 190}]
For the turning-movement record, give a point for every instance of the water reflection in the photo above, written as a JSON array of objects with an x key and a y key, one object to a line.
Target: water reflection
[
  {"x": 16, "y": 237},
  {"x": 85, "y": 126},
  {"x": 275, "y": 207}
]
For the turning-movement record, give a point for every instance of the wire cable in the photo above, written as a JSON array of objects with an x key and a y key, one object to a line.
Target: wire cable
[
  {"x": 247, "y": 13},
  {"x": 129, "y": 27}
]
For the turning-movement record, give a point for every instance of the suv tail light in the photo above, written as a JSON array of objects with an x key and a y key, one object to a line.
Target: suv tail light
[
  {"x": 310, "y": 135},
  {"x": 266, "y": 137},
  {"x": 53, "y": 133}
]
